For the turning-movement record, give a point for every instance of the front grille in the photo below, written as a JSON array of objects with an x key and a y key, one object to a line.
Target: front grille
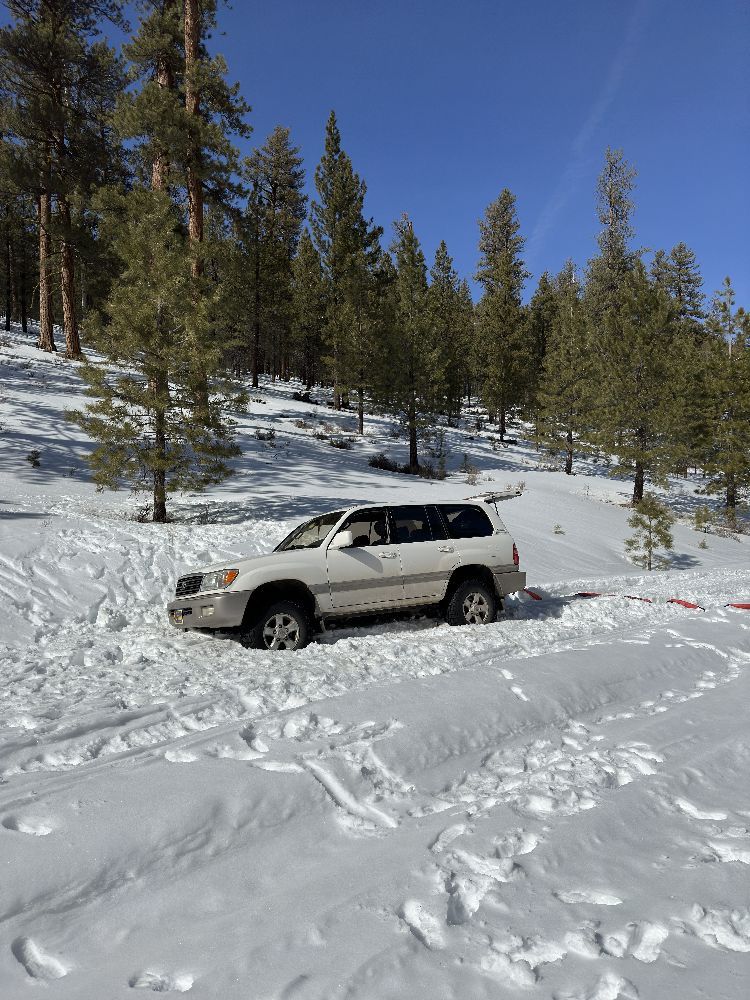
[{"x": 188, "y": 585}]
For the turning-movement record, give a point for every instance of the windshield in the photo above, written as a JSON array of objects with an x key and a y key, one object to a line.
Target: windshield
[{"x": 310, "y": 534}]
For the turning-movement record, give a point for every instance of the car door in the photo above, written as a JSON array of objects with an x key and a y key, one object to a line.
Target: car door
[
  {"x": 428, "y": 557},
  {"x": 366, "y": 574}
]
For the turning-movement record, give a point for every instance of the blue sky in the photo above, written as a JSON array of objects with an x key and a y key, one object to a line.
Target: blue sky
[{"x": 441, "y": 104}]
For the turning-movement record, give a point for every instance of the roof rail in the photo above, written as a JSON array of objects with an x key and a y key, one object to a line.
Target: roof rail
[{"x": 492, "y": 496}]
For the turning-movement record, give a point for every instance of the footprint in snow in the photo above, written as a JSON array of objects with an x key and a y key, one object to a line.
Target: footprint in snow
[
  {"x": 38, "y": 963},
  {"x": 690, "y": 809},
  {"x": 609, "y": 986},
  {"x": 588, "y": 896},
  {"x": 25, "y": 824},
  {"x": 160, "y": 982},
  {"x": 180, "y": 756}
]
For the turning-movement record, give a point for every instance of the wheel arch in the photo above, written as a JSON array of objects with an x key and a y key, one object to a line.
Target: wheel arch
[
  {"x": 280, "y": 590},
  {"x": 473, "y": 571}
]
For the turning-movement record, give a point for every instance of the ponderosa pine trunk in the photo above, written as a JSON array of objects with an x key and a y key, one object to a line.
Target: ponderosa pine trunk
[
  {"x": 22, "y": 289},
  {"x": 731, "y": 497},
  {"x": 192, "y": 17},
  {"x": 8, "y": 273},
  {"x": 412, "y": 418},
  {"x": 160, "y": 386},
  {"x": 361, "y": 406},
  {"x": 569, "y": 453},
  {"x": 68, "y": 284},
  {"x": 165, "y": 81},
  {"x": 46, "y": 341},
  {"x": 256, "y": 318},
  {"x": 638, "y": 483}
]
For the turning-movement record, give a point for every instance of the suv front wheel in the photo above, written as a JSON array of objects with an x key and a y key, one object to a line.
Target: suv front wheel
[
  {"x": 472, "y": 603},
  {"x": 283, "y": 625}
]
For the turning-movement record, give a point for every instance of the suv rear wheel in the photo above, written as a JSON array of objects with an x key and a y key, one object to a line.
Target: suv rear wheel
[
  {"x": 472, "y": 603},
  {"x": 283, "y": 625}
]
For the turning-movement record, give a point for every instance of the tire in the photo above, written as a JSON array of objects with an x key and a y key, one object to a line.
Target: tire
[
  {"x": 284, "y": 625},
  {"x": 472, "y": 603}
]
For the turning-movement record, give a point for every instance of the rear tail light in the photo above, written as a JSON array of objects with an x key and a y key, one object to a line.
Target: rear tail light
[{"x": 515, "y": 555}]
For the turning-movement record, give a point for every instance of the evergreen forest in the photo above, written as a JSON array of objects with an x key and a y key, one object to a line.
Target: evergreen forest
[{"x": 175, "y": 274}]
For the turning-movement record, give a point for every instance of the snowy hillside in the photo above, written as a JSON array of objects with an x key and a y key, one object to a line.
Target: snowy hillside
[{"x": 556, "y": 805}]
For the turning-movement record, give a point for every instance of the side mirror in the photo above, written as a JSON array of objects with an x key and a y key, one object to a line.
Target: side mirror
[{"x": 342, "y": 540}]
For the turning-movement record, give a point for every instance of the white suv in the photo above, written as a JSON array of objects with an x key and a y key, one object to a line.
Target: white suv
[{"x": 456, "y": 557}]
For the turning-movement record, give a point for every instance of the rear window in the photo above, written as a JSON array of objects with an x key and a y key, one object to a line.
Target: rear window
[{"x": 466, "y": 521}]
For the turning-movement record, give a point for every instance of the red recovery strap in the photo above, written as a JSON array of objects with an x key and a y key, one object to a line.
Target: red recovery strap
[
  {"x": 742, "y": 607},
  {"x": 588, "y": 593},
  {"x": 632, "y": 597},
  {"x": 685, "y": 604},
  {"x": 531, "y": 594}
]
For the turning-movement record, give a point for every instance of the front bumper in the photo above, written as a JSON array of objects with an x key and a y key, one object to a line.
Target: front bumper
[
  {"x": 209, "y": 610},
  {"x": 509, "y": 583}
]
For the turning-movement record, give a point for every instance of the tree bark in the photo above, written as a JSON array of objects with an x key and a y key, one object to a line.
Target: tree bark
[
  {"x": 192, "y": 17},
  {"x": 412, "y": 418},
  {"x": 68, "y": 285},
  {"x": 640, "y": 476},
  {"x": 160, "y": 388},
  {"x": 46, "y": 341},
  {"x": 731, "y": 500},
  {"x": 165, "y": 81},
  {"x": 22, "y": 289},
  {"x": 8, "y": 272},
  {"x": 569, "y": 453},
  {"x": 256, "y": 317},
  {"x": 361, "y": 406}
]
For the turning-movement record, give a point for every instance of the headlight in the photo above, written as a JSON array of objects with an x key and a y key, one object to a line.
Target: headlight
[{"x": 219, "y": 580}]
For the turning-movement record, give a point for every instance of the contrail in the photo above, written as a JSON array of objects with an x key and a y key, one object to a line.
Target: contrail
[{"x": 575, "y": 168}]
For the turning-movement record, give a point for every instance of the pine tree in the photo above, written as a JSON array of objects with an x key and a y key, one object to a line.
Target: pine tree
[
  {"x": 502, "y": 353},
  {"x": 636, "y": 372},
  {"x": 348, "y": 246},
  {"x": 275, "y": 212},
  {"x": 58, "y": 84},
  {"x": 411, "y": 369},
  {"x": 679, "y": 275},
  {"x": 154, "y": 431},
  {"x": 614, "y": 207},
  {"x": 308, "y": 309},
  {"x": 727, "y": 461},
  {"x": 652, "y": 522},
  {"x": 450, "y": 329},
  {"x": 566, "y": 386}
]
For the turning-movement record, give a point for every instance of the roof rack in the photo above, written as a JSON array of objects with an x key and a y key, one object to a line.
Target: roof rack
[{"x": 493, "y": 496}]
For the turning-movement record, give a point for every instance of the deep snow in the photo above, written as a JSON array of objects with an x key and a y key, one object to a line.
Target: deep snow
[{"x": 556, "y": 805}]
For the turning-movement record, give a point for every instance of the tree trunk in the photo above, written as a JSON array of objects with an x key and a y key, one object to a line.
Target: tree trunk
[
  {"x": 68, "y": 285},
  {"x": 165, "y": 80},
  {"x": 502, "y": 420},
  {"x": 22, "y": 291},
  {"x": 731, "y": 502},
  {"x": 8, "y": 272},
  {"x": 412, "y": 417},
  {"x": 361, "y": 406},
  {"x": 640, "y": 476},
  {"x": 46, "y": 341},
  {"x": 161, "y": 391},
  {"x": 192, "y": 15},
  {"x": 256, "y": 318},
  {"x": 569, "y": 453}
]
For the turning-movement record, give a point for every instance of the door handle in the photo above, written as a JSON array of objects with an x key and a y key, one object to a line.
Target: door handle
[
  {"x": 387, "y": 555},
  {"x": 446, "y": 548}
]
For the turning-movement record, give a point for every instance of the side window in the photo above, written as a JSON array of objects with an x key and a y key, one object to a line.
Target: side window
[
  {"x": 436, "y": 523},
  {"x": 369, "y": 527},
  {"x": 410, "y": 524},
  {"x": 466, "y": 521}
]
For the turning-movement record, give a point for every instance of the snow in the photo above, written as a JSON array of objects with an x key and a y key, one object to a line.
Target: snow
[{"x": 554, "y": 806}]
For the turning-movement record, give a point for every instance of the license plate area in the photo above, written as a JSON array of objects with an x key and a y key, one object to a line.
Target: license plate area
[{"x": 179, "y": 615}]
